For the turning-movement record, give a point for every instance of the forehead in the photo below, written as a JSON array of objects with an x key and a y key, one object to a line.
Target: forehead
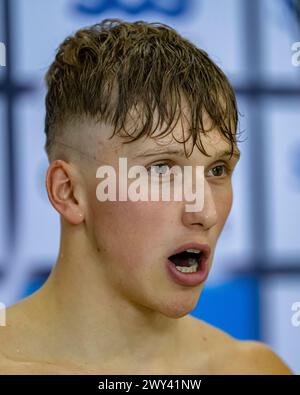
[
  {"x": 97, "y": 139},
  {"x": 214, "y": 143}
]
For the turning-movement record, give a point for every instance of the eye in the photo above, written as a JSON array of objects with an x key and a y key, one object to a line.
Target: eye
[
  {"x": 220, "y": 170},
  {"x": 160, "y": 168}
]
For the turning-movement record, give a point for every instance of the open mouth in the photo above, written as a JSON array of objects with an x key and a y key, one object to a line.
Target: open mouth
[{"x": 187, "y": 261}]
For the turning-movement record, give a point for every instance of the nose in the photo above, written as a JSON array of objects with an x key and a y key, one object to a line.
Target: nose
[{"x": 207, "y": 217}]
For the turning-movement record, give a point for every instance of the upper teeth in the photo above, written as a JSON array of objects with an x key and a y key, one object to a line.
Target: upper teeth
[{"x": 193, "y": 250}]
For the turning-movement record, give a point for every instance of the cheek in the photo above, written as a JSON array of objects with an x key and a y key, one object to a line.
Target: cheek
[
  {"x": 224, "y": 201},
  {"x": 129, "y": 231}
]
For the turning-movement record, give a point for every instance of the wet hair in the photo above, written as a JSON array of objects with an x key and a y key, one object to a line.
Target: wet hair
[{"x": 105, "y": 70}]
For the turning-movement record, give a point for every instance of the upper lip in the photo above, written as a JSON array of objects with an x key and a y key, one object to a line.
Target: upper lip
[{"x": 204, "y": 248}]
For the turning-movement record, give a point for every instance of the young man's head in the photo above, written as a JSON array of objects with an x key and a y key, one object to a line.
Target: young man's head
[{"x": 137, "y": 91}]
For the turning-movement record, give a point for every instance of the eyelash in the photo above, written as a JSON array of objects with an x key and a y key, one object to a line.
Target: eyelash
[{"x": 226, "y": 166}]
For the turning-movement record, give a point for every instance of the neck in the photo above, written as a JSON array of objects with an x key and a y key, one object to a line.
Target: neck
[{"x": 95, "y": 320}]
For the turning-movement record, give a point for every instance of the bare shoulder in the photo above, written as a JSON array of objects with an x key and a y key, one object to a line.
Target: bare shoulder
[
  {"x": 254, "y": 357},
  {"x": 4, "y": 369},
  {"x": 16, "y": 338},
  {"x": 228, "y": 355},
  {"x": 24, "y": 348},
  {"x": 8, "y": 366},
  {"x": 14, "y": 361},
  {"x": 10, "y": 336}
]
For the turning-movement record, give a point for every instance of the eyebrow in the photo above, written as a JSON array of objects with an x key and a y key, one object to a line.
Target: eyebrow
[{"x": 175, "y": 151}]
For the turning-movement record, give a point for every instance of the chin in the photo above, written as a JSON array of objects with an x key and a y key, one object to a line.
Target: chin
[{"x": 179, "y": 308}]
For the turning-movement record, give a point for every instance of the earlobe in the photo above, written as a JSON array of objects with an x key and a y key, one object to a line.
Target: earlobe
[{"x": 60, "y": 188}]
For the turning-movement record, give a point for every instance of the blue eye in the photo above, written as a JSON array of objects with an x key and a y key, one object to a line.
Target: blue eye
[{"x": 165, "y": 168}]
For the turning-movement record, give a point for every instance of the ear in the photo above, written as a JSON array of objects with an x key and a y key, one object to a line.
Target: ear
[{"x": 62, "y": 188}]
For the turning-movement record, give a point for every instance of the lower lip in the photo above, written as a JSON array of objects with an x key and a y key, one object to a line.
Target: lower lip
[{"x": 188, "y": 279}]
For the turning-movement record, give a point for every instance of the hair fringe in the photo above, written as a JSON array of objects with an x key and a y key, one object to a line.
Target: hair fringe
[{"x": 105, "y": 70}]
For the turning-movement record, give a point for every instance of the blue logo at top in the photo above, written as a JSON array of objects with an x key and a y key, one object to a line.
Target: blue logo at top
[{"x": 165, "y": 7}]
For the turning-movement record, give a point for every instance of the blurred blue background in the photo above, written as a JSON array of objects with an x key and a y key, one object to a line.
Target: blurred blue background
[{"x": 256, "y": 275}]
